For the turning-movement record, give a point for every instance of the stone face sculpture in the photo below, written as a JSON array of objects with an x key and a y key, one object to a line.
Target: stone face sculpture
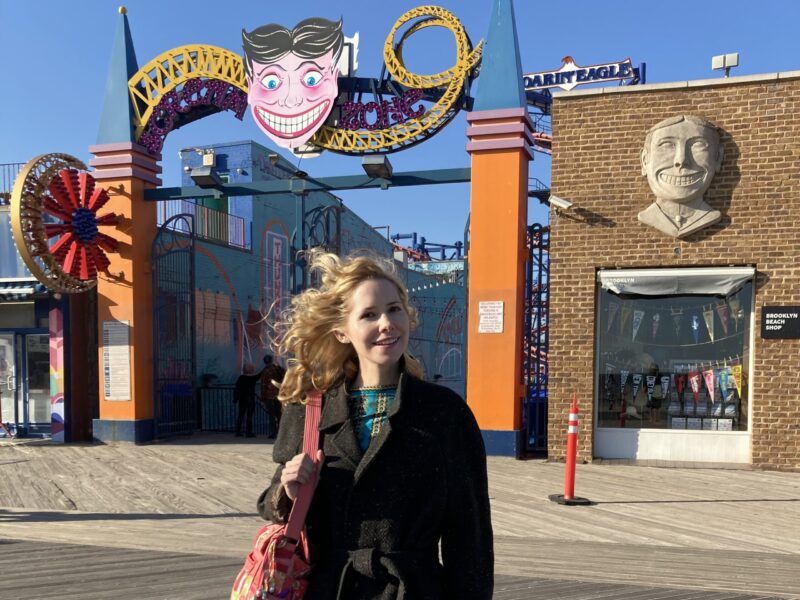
[{"x": 680, "y": 157}]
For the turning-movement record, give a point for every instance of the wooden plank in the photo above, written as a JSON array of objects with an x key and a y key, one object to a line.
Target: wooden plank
[
  {"x": 717, "y": 530},
  {"x": 75, "y": 572}
]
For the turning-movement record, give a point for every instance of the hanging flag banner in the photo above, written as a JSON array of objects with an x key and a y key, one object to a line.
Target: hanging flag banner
[
  {"x": 637, "y": 383},
  {"x": 680, "y": 384},
  {"x": 625, "y": 315},
  {"x": 665, "y": 386},
  {"x": 724, "y": 314},
  {"x": 609, "y": 370},
  {"x": 638, "y": 315},
  {"x": 656, "y": 320},
  {"x": 623, "y": 379},
  {"x": 651, "y": 385},
  {"x": 613, "y": 307},
  {"x": 736, "y": 310},
  {"x": 736, "y": 371},
  {"x": 708, "y": 375},
  {"x": 708, "y": 317},
  {"x": 722, "y": 381},
  {"x": 696, "y": 328},
  {"x": 677, "y": 318},
  {"x": 694, "y": 383},
  {"x": 607, "y": 383}
]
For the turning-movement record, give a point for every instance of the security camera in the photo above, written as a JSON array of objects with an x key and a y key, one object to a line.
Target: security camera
[{"x": 559, "y": 202}]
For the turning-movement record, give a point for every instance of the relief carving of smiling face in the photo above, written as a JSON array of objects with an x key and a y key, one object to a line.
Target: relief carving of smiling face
[
  {"x": 291, "y": 98},
  {"x": 681, "y": 159}
]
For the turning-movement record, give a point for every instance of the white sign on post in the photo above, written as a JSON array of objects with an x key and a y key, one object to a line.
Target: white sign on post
[
  {"x": 116, "y": 361},
  {"x": 490, "y": 317}
]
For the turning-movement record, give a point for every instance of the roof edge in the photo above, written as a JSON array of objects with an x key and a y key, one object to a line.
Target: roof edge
[{"x": 680, "y": 85}]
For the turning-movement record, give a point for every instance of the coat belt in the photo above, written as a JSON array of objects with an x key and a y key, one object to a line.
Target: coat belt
[{"x": 375, "y": 564}]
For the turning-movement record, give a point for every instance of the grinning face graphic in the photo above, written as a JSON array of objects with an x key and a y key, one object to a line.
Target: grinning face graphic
[
  {"x": 681, "y": 160},
  {"x": 290, "y": 98}
]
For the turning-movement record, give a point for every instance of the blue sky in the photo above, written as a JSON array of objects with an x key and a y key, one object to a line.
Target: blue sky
[{"x": 54, "y": 58}]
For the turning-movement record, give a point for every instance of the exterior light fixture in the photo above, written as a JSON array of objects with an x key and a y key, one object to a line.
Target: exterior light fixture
[
  {"x": 377, "y": 167},
  {"x": 206, "y": 178},
  {"x": 725, "y": 61}
]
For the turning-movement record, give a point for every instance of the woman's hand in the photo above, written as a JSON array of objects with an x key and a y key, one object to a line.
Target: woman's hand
[{"x": 298, "y": 471}]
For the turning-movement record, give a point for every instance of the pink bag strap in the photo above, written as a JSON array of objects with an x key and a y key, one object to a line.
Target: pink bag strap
[{"x": 302, "y": 503}]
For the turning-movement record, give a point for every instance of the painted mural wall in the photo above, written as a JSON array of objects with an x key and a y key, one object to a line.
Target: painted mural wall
[{"x": 244, "y": 271}]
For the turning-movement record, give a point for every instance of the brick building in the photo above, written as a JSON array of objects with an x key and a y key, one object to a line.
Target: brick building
[{"x": 686, "y": 376}]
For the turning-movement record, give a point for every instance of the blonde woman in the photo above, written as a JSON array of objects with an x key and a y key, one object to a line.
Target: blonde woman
[{"x": 401, "y": 510}]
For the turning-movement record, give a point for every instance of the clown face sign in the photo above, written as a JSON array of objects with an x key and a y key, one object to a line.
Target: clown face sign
[{"x": 292, "y": 77}]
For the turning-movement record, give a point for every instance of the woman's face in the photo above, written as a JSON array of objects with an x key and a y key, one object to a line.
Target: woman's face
[{"x": 376, "y": 324}]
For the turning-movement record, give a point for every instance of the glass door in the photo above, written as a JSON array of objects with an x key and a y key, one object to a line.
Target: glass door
[
  {"x": 8, "y": 384},
  {"x": 37, "y": 382}
]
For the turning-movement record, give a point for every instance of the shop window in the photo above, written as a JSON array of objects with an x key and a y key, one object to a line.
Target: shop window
[{"x": 673, "y": 348}]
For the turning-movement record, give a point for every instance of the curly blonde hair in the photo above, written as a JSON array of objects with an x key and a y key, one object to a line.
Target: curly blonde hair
[{"x": 305, "y": 331}]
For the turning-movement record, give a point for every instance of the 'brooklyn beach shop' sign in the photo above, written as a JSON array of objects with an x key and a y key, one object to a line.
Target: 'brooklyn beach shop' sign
[
  {"x": 570, "y": 75},
  {"x": 780, "y": 322}
]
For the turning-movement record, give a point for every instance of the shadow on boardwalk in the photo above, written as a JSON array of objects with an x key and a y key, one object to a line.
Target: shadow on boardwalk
[{"x": 175, "y": 520}]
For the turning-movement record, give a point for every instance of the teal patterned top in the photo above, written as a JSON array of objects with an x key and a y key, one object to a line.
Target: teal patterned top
[{"x": 369, "y": 407}]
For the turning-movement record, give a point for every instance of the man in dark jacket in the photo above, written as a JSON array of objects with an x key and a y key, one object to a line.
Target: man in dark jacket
[
  {"x": 244, "y": 394},
  {"x": 271, "y": 374},
  {"x": 378, "y": 517}
]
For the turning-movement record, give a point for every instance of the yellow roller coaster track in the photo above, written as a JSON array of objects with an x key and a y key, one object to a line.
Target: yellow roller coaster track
[
  {"x": 175, "y": 67},
  {"x": 400, "y": 134}
]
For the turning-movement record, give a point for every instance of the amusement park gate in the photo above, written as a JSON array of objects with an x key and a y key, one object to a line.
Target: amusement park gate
[
  {"x": 537, "y": 302},
  {"x": 175, "y": 409}
]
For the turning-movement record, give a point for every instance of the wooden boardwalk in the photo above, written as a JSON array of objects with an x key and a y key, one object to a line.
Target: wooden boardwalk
[{"x": 174, "y": 520}]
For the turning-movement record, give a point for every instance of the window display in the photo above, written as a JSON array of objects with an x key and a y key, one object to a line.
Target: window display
[{"x": 672, "y": 361}]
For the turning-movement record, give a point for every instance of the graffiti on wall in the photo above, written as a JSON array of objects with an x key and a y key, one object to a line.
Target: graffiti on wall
[
  {"x": 449, "y": 341},
  {"x": 56, "y": 326},
  {"x": 214, "y": 318}
]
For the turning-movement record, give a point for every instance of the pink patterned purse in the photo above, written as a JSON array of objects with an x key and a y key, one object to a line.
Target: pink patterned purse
[{"x": 278, "y": 566}]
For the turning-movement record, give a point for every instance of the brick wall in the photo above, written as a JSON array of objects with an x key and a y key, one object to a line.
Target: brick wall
[{"x": 597, "y": 141}]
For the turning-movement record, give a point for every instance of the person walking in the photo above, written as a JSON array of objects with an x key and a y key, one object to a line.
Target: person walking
[
  {"x": 271, "y": 378},
  {"x": 244, "y": 395},
  {"x": 402, "y": 465}
]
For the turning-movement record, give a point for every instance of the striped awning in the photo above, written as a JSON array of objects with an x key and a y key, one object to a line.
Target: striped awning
[{"x": 20, "y": 289}]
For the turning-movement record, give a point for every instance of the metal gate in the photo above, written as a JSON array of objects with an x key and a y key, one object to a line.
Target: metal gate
[
  {"x": 536, "y": 338},
  {"x": 175, "y": 408}
]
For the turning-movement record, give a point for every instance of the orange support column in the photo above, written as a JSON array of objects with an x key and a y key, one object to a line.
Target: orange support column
[
  {"x": 500, "y": 137},
  {"x": 125, "y": 295}
]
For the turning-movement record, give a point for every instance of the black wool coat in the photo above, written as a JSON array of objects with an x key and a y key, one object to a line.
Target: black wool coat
[{"x": 377, "y": 519}]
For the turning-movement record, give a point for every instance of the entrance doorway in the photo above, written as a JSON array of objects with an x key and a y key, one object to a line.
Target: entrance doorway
[{"x": 25, "y": 383}]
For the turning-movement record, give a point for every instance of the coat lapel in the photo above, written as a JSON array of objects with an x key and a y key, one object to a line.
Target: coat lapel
[
  {"x": 377, "y": 444},
  {"x": 338, "y": 428}
]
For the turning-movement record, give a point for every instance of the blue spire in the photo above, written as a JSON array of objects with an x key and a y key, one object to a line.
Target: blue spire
[
  {"x": 500, "y": 81},
  {"x": 116, "y": 121}
]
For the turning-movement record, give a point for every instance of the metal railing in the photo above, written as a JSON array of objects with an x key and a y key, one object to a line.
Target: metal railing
[
  {"x": 209, "y": 224},
  {"x": 218, "y": 411},
  {"x": 8, "y": 173}
]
